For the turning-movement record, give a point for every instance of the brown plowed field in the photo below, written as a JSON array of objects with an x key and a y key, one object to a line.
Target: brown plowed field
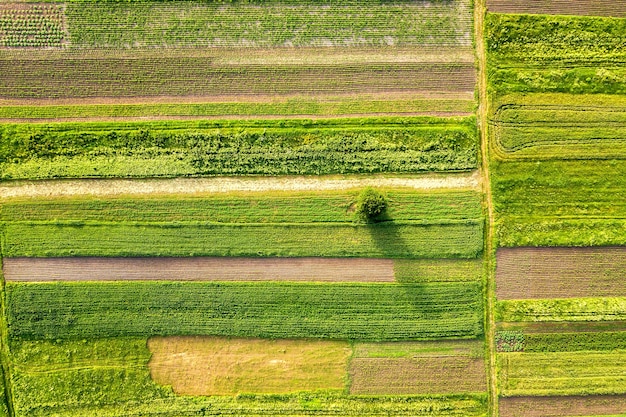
[
  {"x": 425, "y": 375},
  {"x": 527, "y": 273},
  {"x": 615, "y": 8},
  {"x": 562, "y": 406},
  {"x": 198, "y": 269}
]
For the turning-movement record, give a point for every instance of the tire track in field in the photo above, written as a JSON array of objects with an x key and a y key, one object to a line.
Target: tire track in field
[{"x": 111, "y": 187}]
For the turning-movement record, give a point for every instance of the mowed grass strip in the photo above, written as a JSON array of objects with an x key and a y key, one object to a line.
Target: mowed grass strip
[
  {"x": 198, "y": 269},
  {"x": 461, "y": 239},
  {"x": 562, "y": 406},
  {"x": 561, "y": 373},
  {"x": 252, "y": 207},
  {"x": 373, "y": 312},
  {"x": 536, "y": 273},
  {"x": 221, "y": 366},
  {"x": 562, "y": 310}
]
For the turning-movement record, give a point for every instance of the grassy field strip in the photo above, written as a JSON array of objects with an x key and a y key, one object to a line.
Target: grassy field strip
[
  {"x": 198, "y": 269},
  {"x": 442, "y": 239},
  {"x": 219, "y": 366},
  {"x": 569, "y": 309},
  {"x": 615, "y": 8},
  {"x": 536, "y": 273},
  {"x": 563, "y": 406},
  {"x": 368, "y": 312},
  {"x": 120, "y": 187},
  {"x": 560, "y": 373},
  {"x": 544, "y": 328}
]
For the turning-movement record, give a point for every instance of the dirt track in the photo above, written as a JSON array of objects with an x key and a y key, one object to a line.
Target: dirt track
[
  {"x": 615, "y": 8},
  {"x": 198, "y": 269},
  {"x": 105, "y": 187},
  {"x": 527, "y": 273},
  {"x": 562, "y": 406}
]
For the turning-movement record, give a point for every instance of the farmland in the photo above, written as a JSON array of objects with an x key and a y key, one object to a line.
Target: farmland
[{"x": 616, "y": 8}]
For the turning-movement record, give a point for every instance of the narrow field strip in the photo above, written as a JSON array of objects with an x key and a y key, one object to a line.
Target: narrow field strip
[
  {"x": 106, "y": 187},
  {"x": 562, "y": 310},
  {"x": 225, "y": 366},
  {"x": 535, "y": 273},
  {"x": 417, "y": 375},
  {"x": 357, "y": 311},
  {"x": 198, "y": 269},
  {"x": 563, "y": 406},
  {"x": 614, "y": 8}
]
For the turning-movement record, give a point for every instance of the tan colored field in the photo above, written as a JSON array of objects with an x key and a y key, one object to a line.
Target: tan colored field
[
  {"x": 562, "y": 406},
  {"x": 527, "y": 273},
  {"x": 220, "y": 366},
  {"x": 615, "y": 8},
  {"x": 417, "y": 375},
  {"x": 198, "y": 269}
]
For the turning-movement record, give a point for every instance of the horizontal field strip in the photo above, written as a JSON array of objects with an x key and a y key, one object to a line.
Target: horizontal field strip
[
  {"x": 457, "y": 239},
  {"x": 369, "y": 312},
  {"x": 189, "y": 186},
  {"x": 417, "y": 375},
  {"x": 527, "y": 273},
  {"x": 562, "y": 373},
  {"x": 157, "y": 76},
  {"x": 198, "y": 269},
  {"x": 564, "y": 327},
  {"x": 562, "y": 310},
  {"x": 614, "y": 8},
  {"x": 562, "y": 406}
]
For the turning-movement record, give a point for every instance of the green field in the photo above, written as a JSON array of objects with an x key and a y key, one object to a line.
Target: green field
[
  {"x": 271, "y": 310},
  {"x": 262, "y": 147},
  {"x": 562, "y": 310}
]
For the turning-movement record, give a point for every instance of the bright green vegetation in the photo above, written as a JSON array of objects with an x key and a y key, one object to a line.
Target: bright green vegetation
[
  {"x": 574, "y": 309},
  {"x": 224, "y": 147},
  {"x": 471, "y": 348},
  {"x": 556, "y": 53},
  {"x": 276, "y": 207},
  {"x": 572, "y": 203},
  {"x": 438, "y": 270},
  {"x": 39, "y": 26},
  {"x": 271, "y": 310},
  {"x": 390, "y": 239},
  {"x": 562, "y": 373},
  {"x": 572, "y": 342},
  {"x": 291, "y": 107},
  {"x": 276, "y": 24}
]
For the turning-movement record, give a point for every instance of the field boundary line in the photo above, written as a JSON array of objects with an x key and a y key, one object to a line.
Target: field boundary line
[
  {"x": 110, "y": 187},
  {"x": 480, "y": 10}
]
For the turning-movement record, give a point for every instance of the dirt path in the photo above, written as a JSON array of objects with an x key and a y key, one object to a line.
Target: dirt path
[
  {"x": 198, "y": 269},
  {"x": 106, "y": 187},
  {"x": 481, "y": 58}
]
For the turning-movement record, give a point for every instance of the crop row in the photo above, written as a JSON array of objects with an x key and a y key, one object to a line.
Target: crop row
[
  {"x": 156, "y": 76},
  {"x": 283, "y": 207},
  {"x": 32, "y": 27},
  {"x": 235, "y": 148},
  {"x": 556, "y": 310},
  {"x": 269, "y": 310},
  {"x": 389, "y": 239},
  {"x": 160, "y": 24},
  {"x": 615, "y": 8}
]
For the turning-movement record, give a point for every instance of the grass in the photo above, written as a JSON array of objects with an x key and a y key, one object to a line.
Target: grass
[
  {"x": 438, "y": 270},
  {"x": 396, "y": 240},
  {"x": 219, "y": 366},
  {"x": 269, "y": 310},
  {"x": 469, "y": 348},
  {"x": 276, "y": 207},
  {"x": 561, "y": 373},
  {"x": 262, "y": 147},
  {"x": 562, "y": 310},
  {"x": 573, "y": 342}
]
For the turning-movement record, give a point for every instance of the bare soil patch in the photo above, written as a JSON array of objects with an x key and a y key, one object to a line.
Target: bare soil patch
[
  {"x": 534, "y": 273},
  {"x": 562, "y": 406},
  {"x": 221, "y": 366},
  {"x": 106, "y": 187},
  {"x": 614, "y": 8},
  {"x": 418, "y": 375},
  {"x": 198, "y": 269}
]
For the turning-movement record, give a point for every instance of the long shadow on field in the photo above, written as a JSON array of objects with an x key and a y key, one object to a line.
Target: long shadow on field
[{"x": 387, "y": 236}]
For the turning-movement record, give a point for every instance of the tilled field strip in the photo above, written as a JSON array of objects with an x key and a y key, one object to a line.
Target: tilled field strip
[
  {"x": 224, "y": 185},
  {"x": 535, "y": 273},
  {"x": 198, "y": 269},
  {"x": 562, "y": 406},
  {"x": 425, "y": 375},
  {"x": 614, "y": 8}
]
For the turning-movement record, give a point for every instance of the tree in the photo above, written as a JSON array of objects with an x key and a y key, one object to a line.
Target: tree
[{"x": 370, "y": 204}]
